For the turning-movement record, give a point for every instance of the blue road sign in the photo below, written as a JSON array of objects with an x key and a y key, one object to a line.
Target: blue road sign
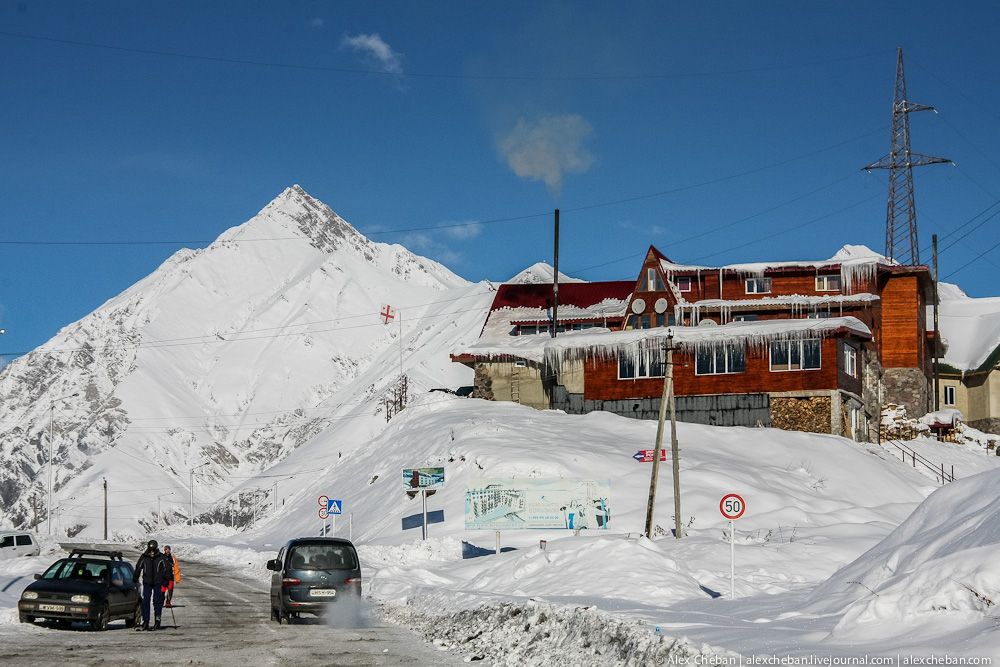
[{"x": 335, "y": 506}]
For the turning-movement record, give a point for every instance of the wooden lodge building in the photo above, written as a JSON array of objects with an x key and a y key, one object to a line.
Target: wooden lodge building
[{"x": 814, "y": 345}]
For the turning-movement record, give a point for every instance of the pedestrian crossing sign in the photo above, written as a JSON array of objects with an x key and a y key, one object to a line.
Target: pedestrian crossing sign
[{"x": 335, "y": 506}]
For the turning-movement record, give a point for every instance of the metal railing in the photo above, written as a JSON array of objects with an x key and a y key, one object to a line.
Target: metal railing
[{"x": 908, "y": 453}]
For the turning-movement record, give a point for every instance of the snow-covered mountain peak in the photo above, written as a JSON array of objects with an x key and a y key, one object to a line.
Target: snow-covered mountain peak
[{"x": 540, "y": 272}]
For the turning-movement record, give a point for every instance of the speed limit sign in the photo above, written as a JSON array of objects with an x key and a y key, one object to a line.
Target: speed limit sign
[{"x": 732, "y": 506}]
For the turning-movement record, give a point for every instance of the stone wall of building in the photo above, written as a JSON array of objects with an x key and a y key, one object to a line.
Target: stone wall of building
[
  {"x": 482, "y": 383},
  {"x": 908, "y": 387},
  {"x": 989, "y": 425},
  {"x": 716, "y": 409},
  {"x": 810, "y": 414}
]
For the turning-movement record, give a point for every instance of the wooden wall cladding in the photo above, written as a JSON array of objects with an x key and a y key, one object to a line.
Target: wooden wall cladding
[{"x": 602, "y": 383}]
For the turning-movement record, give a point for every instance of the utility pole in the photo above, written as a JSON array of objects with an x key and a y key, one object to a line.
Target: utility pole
[
  {"x": 666, "y": 399},
  {"x": 105, "y": 508},
  {"x": 675, "y": 451},
  {"x": 275, "y": 497},
  {"x": 555, "y": 278},
  {"x": 937, "y": 331},
  {"x": 901, "y": 242}
]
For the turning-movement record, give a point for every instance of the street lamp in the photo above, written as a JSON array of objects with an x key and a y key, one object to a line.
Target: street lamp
[
  {"x": 191, "y": 487},
  {"x": 52, "y": 409}
]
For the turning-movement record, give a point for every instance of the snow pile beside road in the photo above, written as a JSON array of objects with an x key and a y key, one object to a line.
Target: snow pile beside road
[
  {"x": 536, "y": 633},
  {"x": 437, "y": 548},
  {"x": 17, "y": 573},
  {"x": 937, "y": 574}
]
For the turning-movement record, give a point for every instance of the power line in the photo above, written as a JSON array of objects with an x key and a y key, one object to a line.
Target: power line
[
  {"x": 724, "y": 226},
  {"x": 516, "y": 218},
  {"x": 430, "y": 75}
]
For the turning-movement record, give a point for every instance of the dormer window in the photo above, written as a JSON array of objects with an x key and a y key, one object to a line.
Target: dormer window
[
  {"x": 828, "y": 283},
  {"x": 654, "y": 281},
  {"x": 758, "y": 286},
  {"x": 683, "y": 283}
]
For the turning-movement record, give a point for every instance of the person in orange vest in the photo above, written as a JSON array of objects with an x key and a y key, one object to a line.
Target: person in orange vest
[{"x": 175, "y": 579}]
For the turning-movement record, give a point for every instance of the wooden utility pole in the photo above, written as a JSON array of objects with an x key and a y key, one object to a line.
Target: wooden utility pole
[
  {"x": 105, "y": 508},
  {"x": 666, "y": 399},
  {"x": 675, "y": 450},
  {"x": 937, "y": 330},
  {"x": 555, "y": 279}
]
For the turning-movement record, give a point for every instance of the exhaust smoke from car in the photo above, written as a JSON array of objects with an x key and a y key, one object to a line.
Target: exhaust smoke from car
[{"x": 350, "y": 611}]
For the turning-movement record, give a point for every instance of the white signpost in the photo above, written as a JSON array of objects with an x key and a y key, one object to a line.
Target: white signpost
[{"x": 732, "y": 507}]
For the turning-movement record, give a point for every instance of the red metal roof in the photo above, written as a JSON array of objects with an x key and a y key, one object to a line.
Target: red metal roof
[{"x": 539, "y": 295}]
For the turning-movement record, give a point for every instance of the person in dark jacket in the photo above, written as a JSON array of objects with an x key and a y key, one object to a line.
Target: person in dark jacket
[{"x": 153, "y": 570}]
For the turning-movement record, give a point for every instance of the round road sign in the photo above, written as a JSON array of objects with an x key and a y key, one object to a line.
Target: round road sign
[
  {"x": 732, "y": 506},
  {"x": 323, "y": 514},
  {"x": 323, "y": 501}
]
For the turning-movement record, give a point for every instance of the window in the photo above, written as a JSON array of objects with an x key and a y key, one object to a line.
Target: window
[
  {"x": 828, "y": 283},
  {"x": 758, "y": 285},
  {"x": 322, "y": 557},
  {"x": 745, "y": 317},
  {"x": 648, "y": 365},
  {"x": 818, "y": 315},
  {"x": 7, "y": 541},
  {"x": 949, "y": 394},
  {"x": 683, "y": 283},
  {"x": 719, "y": 361},
  {"x": 795, "y": 355},
  {"x": 654, "y": 281},
  {"x": 850, "y": 360},
  {"x": 24, "y": 540}
]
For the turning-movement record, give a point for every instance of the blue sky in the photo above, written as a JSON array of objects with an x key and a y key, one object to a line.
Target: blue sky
[{"x": 403, "y": 115}]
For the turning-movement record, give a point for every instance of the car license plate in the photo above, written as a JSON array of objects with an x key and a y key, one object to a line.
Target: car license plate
[
  {"x": 51, "y": 607},
  {"x": 322, "y": 592}
]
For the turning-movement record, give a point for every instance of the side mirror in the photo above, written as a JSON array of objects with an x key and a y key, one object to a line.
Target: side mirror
[
  {"x": 274, "y": 564},
  {"x": 37, "y": 576}
]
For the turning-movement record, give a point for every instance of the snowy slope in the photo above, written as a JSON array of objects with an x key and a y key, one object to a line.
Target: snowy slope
[
  {"x": 230, "y": 356},
  {"x": 815, "y": 502}
]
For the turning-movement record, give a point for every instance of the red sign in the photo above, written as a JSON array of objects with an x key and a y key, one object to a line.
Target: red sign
[
  {"x": 646, "y": 455},
  {"x": 387, "y": 314},
  {"x": 732, "y": 506}
]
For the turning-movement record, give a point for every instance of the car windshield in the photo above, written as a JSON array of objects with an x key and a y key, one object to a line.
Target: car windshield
[
  {"x": 77, "y": 569},
  {"x": 322, "y": 557}
]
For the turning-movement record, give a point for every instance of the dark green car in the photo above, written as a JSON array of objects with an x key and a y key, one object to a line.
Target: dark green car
[
  {"x": 316, "y": 575},
  {"x": 91, "y": 585}
]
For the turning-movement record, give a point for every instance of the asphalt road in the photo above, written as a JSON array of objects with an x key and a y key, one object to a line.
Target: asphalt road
[{"x": 221, "y": 620}]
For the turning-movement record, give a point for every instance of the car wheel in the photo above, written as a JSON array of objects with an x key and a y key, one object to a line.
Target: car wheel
[
  {"x": 135, "y": 619},
  {"x": 26, "y": 618},
  {"x": 101, "y": 621}
]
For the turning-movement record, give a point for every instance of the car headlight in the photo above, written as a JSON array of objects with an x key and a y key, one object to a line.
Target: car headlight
[
  {"x": 83, "y": 599},
  {"x": 29, "y": 595}
]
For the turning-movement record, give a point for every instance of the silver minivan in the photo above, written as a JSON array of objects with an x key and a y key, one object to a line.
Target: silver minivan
[{"x": 15, "y": 543}]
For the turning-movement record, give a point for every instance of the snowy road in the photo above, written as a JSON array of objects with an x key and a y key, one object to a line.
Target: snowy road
[{"x": 221, "y": 620}]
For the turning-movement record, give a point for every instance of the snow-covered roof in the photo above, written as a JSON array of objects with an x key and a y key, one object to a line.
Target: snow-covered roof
[
  {"x": 605, "y": 343},
  {"x": 856, "y": 263},
  {"x": 532, "y": 302},
  {"x": 969, "y": 326}
]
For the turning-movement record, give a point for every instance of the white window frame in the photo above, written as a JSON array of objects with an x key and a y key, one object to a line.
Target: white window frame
[
  {"x": 757, "y": 282},
  {"x": 645, "y": 367},
  {"x": 823, "y": 283},
  {"x": 953, "y": 390},
  {"x": 802, "y": 355},
  {"x": 850, "y": 360},
  {"x": 681, "y": 281},
  {"x": 715, "y": 365}
]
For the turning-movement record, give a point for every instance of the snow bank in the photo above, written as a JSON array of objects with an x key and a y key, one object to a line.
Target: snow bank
[
  {"x": 535, "y": 633},
  {"x": 937, "y": 573}
]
